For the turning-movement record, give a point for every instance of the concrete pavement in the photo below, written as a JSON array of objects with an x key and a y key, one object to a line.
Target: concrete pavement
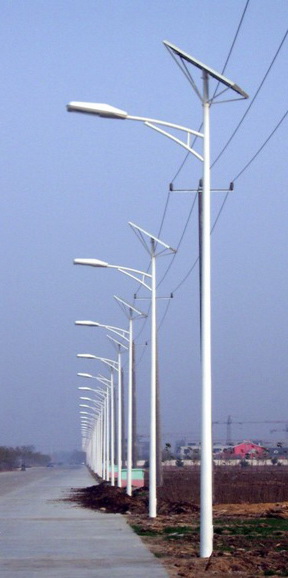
[{"x": 41, "y": 535}]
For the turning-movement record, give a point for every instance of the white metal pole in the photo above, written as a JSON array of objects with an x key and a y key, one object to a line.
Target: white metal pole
[
  {"x": 103, "y": 437},
  {"x": 98, "y": 444},
  {"x": 93, "y": 446},
  {"x": 105, "y": 440},
  {"x": 119, "y": 420},
  {"x": 112, "y": 429},
  {"x": 130, "y": 413},
  {"x": 101, "y": 444},
  {"x": 206, "y": 522},
  {"x": 152, "y": 460},
  {"x": 89, "y": 452},
  {"x": 108, "y": 436}
]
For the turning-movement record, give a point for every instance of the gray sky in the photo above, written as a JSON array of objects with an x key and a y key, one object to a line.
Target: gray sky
[{"x": 70, "y": 184}]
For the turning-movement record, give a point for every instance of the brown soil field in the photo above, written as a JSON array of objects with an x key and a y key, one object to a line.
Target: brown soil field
[{"x": 250, "y": 533}]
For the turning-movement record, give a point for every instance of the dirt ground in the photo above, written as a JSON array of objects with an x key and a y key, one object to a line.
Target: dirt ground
[{"x": 250, "y": 539}]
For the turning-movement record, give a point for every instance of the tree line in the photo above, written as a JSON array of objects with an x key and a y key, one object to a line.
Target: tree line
[{"x": 12, "y": 458}]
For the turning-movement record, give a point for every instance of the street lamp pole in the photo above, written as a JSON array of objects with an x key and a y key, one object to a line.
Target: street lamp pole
[
  {"x": 132, "y": 313},
  {"x": 96, "y": 438},
  {"x": 90, "y": 445},
  {"x": 151, "y": 247},
  {"x": 110, "y": 385},
  {"x": 102, "y": 458},
  {"x": 130, "y": 370},
  {"x": 107, "y": 111},
  {"x": 106, "y": 445},
  {"x": 88, "y": 425},
  {"x": 124, "y": 334},
  {"x": 206, "y": 489},
  {"x": 141, "y": 277},
  {"x": 119, "y": 345}
]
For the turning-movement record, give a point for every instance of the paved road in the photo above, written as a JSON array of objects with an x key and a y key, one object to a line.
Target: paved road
[
  {"x": 41, "y": 535},
  {"x": 10, "y": 481}
]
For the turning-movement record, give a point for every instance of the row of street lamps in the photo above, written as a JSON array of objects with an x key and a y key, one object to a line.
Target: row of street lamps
[
  {"x": 107, "y": 111},
  {"x": 148, "y": 280}
]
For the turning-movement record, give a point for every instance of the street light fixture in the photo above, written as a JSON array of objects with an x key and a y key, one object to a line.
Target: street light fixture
[
  {"x": 96, "y": 448},
  {"x": 154, "y": 247},
  {"x": 106, "y": 445},
  {"x": 110, "y": 384},
  {"x": 141, "y": 277},
  {"x": 88, "y": 425},
  {"x": 98, "y": 438},
  {"x": 119, "y": 346},
  {"x": 106, "y": 111},
  {"x": 134, "y": 312},
  {"x": 124, "y": 335},
  {"x": 128, "y": 336}
]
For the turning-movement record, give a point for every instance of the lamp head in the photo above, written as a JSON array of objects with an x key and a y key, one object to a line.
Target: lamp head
[
  {"x": 87, "y": 323},
  {"x": 99, "y": 109},
  {"x": 91, "y": 262}
]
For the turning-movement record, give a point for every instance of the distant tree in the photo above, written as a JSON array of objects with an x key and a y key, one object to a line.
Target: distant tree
[
  {"x": 166, "y": 453},
  {"x": 186, "y": 453},
  {"x": 8, "y": 458},
  {"x": 12, "y": 458}
]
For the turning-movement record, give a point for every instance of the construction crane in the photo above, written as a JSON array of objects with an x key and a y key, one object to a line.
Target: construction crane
[{"x": 229, "y": 422}]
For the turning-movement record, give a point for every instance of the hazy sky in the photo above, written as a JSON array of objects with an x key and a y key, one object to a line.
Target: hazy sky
[{"x": 70, "y": 183}]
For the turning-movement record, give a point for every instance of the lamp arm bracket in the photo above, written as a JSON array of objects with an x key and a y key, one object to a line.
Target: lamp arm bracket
[
  {"x": 118, "y": 332},
  {"x": 175, "y": 139},
  {"x": 140, "y": 279}
]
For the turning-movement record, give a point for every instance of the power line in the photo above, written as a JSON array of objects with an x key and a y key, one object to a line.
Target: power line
[
  {"x": 180, "y": 241},
  {"x": 164, "y": 214},
  {"x": 218, "y": 157},
  {"x": 222, "y": 72},
  {"x": 227, "y": 194},
  {"x": 186, "y": 156},
  {"x": 217, "y": 217},
  {"x": 232, "y": 45},
  {"x": 228, "y": 142},
  {"x": 252, "y": 101},
  {"x": 262, "y": 146},
  {"x": 246, "y": 167}
]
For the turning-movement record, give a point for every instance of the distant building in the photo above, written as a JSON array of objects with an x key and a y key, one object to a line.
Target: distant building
[
  {"x": 279, "y": 452},
  {"x": 218, "y": 449},
  {"x": 244, "y": 450},
  {"x": 247, "y": 449},
  {"x": 190, "y": 451}
]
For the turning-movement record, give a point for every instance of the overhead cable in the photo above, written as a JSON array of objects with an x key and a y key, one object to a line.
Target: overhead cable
[
  {"x": 252, "y": 101},
  {"x": 232, "y": 45},
  {"x": 228, "y": 142},
  {"x": 227, "y": 194},
  {"x": 222, "y": 72}
]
